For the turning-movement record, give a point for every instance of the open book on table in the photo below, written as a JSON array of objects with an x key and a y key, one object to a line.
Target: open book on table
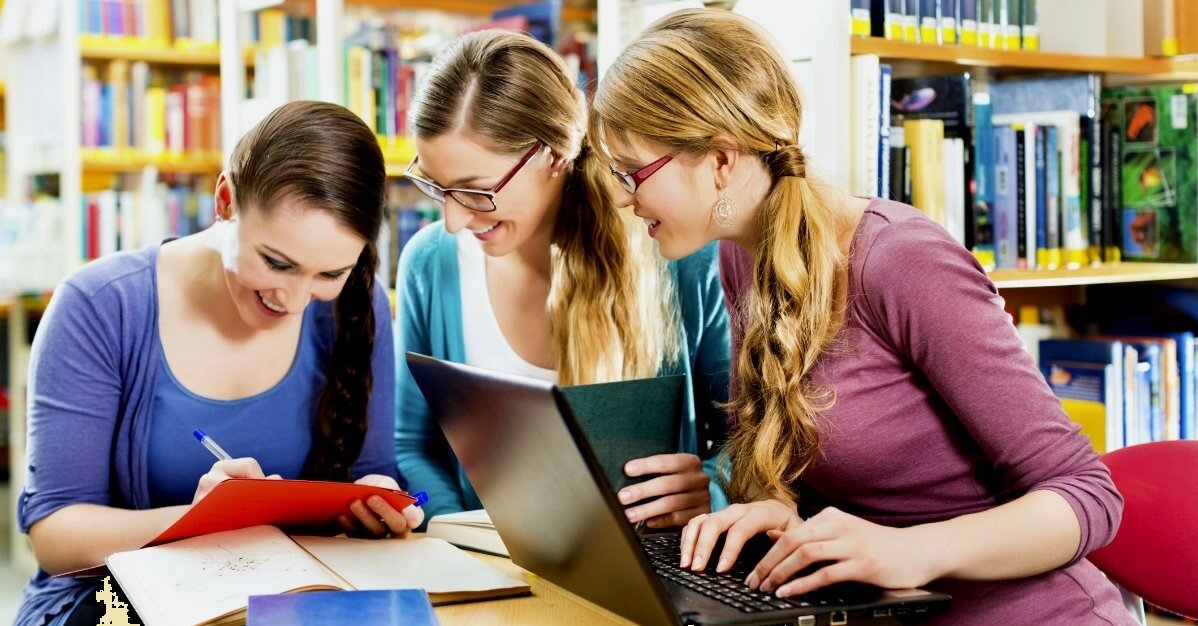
[{"x": 209, "y": 579}]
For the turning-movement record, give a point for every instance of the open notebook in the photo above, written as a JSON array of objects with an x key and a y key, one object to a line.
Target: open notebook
[{"x": 209, "y": 579}]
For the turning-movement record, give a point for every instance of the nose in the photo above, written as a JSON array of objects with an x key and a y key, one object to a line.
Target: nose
[
  {"x": 457, "y": 216},
  {"x": 296, "y": 296},
  {"x": 623, "y": 198}
]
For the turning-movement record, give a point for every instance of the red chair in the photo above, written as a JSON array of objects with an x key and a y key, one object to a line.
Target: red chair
[{"x": 1155, "y": 552}]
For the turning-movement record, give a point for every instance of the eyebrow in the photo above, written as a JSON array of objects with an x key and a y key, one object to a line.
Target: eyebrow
[
  {"x": 291, "y": 262},
  {"x": 466, "y": 180}
]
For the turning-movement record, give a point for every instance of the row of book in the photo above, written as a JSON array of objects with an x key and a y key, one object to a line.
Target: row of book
[
  {"x": 1000, "y": 24},
  {"x": 159, "y": 22},
  {"x": 143, "y": 210},
  {"x": 140, "y": 210},
  {"x": 1035, "y": 173},
  {"x": 150, "y": 110},
  {"x": 1102, "y": 27},
  {"x": 1128, "y": 389}
]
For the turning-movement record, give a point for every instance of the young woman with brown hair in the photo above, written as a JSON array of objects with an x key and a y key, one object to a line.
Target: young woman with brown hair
[
  {"x": 267, "y": 331},
  {"x": 534, "y": 270},
  {"x": 886, "y": 422}
]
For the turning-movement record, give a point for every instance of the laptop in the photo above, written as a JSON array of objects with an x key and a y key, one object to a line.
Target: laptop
[{"x": 548, "y": 496}]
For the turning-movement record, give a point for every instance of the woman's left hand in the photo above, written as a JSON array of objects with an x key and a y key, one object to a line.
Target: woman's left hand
[
  {"x": 681, "y": 487},
  {"x": 376, "y": 518},
  {"x": 852, "y": 548}
]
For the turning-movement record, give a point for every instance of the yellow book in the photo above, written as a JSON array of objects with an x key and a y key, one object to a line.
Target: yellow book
[
  {"x": 118, "y": 83},
  {"x": 925, "y": 139},
  {"x": 1091, "y": 416},
  {"x": 155, "y": 120},
  {"x": 353, "y": 80}
]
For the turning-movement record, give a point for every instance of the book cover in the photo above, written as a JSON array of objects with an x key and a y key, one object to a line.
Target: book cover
[
  {"x": 1088, "y": 375},
  {"x": 629, "y": 420},
  {"x": 948, "y": 98},
  {"x": 983, "y": 174},
  {"x": 397, "y": 607},
  {"x": 949, "y": 21},
  {"x": 1029, "y": 25},
  {"x": 1006, "y": 206},
  {"x": 1156, "y": 146},
  {"x": 911, "y": 20}
]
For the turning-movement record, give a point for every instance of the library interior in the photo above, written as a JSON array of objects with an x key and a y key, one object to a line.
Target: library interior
[{"x": 1054, "y": 141}]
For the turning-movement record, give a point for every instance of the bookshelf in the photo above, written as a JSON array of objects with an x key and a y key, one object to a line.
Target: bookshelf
[
  {"x": 97, "y": 161},
  {"x": 111, "y": 49},
  {"x": 1105, "y": 274},
  {"x": 572, "y": 10},
  {"x": 935, "y": 58}
]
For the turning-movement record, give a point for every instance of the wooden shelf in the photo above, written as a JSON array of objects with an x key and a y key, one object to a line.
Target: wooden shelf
[
  {"x": 1105, "y": 274},
  {"x": 104, "y": 161},
  {"x": 971, "y": 56},
  {"x": 112, "y": 48},
  {"x": 572, "y": 11}
]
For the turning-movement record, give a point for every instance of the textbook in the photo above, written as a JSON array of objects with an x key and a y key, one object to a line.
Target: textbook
[
  {"x": 472, "y": 530},
  {"x": 306, "y": 506},
  {"x": 396, "y": 607},
  {"x": 208, "y": 580}
]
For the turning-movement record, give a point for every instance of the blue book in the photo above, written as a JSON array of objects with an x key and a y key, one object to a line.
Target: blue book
[
  {"x": 407, "y": 607},
  {"x": 1088, "y": 376},
  {"x": 1041, "y": 200},
  {"x": 885, "y": 79},
  {"x": 983, "y": 168},
  {"x": 1006, "y": 208},
  {"x": 1052, "y": 195}
]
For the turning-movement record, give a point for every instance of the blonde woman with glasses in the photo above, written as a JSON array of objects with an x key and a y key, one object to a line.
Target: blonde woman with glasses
[
  {"x": 534, "y": 270},
  {"x": 887, "y": 426}
]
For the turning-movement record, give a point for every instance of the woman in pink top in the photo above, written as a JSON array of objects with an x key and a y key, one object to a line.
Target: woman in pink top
[{"x": 887, "y": 422}]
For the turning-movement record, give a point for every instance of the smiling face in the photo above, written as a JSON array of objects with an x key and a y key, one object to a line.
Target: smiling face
[
  {"x": 675, "y": 201},
  {"x": 527, "y": 204},
  {"x": 276, "y": 263}
]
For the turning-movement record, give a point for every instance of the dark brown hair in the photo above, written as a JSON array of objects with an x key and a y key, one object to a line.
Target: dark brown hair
[{"x": 325, "y": 158}]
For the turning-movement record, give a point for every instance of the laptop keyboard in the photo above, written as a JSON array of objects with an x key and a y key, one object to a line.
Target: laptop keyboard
[{"x": 729, "y": 587}]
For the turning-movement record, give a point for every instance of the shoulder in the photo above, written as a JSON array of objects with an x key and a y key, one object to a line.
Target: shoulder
[
  {"x": 897, "y": 241},
  {"x": 422, "y": 250},
  {"x": 699, "y": 268},
  {"x": 132, "y": 272},
  {"x": 900, "y": 256}
]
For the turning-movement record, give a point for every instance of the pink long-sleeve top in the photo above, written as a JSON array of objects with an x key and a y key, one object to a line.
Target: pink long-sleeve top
[{"x": 940, "y": 412}]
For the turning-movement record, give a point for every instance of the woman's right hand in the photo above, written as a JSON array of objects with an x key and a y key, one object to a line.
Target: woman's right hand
[
  {"x": 741, "y": 522},
  {"x": 221, "y": 471}
]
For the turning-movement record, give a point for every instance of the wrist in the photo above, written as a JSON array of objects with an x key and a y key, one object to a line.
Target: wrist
[{"x": 938, "y": 558}]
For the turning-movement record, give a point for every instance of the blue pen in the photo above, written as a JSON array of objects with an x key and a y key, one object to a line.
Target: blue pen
[{"x": 207, "y": 442}]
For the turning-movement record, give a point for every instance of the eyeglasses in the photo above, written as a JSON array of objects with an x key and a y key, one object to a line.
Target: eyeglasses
[
  {"x": 473, "y": 199},
  {"x": 631, "y": 181}
]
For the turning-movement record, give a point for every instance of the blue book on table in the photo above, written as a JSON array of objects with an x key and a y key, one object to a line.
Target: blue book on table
[{"x": 409, "y": 607}]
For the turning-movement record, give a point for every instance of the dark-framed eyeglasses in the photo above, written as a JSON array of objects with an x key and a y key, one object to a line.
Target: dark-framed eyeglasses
[
  {"x": 631, "y": 181},
  {"x": 479, "y": 200}
]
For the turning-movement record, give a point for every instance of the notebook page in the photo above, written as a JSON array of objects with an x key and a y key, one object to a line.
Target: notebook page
[
  {"x": 203, "y": 578},
  {"x": 424, "y": 563}
]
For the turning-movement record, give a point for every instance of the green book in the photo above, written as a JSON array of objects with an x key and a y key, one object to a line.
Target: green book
[{"x": 629, "y": 420}]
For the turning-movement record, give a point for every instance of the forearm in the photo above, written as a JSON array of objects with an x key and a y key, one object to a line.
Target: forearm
[
  {"x": 1030, "y": 535},
  {"x": 83, "y": 535}
]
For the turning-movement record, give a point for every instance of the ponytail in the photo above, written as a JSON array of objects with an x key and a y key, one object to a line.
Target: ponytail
[{"x": 340, "y": 422}]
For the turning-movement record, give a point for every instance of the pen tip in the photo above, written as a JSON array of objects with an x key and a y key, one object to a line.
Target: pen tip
[{"x": 199, "y": 434}]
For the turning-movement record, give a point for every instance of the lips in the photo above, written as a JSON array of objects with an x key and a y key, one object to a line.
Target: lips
[
  {"x": 268, "y": 307},
  {"x": 487, "y": 233}
]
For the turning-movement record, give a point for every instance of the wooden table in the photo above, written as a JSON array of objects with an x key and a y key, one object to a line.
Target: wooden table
[{"x": 549, "y": 605}]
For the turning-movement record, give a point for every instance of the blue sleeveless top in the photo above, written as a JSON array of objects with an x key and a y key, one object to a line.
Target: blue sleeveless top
[{"x": 274, "y": 426}]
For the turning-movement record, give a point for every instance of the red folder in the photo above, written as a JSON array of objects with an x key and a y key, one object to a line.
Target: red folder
[{"x": 244, "y": 502}]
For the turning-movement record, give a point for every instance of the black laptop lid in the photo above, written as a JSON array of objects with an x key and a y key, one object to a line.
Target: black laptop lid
[{"x": 546, "y": 493}]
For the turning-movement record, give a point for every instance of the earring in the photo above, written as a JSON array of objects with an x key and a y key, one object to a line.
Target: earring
[
  {"x": 724, "y": 210},
  {"x": 219, "y": 217}
]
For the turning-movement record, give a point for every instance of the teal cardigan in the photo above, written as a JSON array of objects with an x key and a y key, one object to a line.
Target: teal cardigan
[{"x": 429, "y": 320}]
